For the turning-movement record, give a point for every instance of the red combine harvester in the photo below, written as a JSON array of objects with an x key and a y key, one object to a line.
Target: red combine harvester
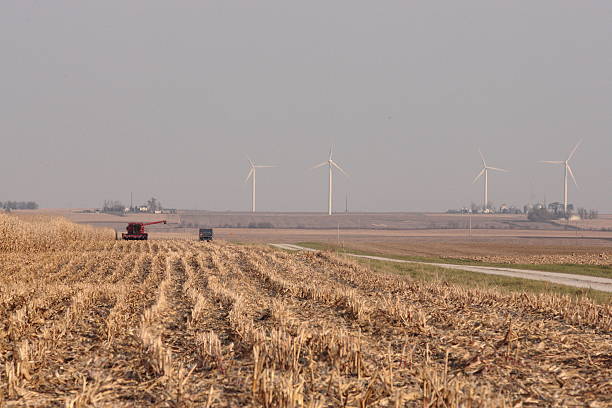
[{"x": 136, "y": 230}]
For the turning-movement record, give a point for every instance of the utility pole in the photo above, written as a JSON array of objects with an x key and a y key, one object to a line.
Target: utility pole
[
  {"x": 470, "y": 227},
  {"x": 346, "y": 203},
  {"x": 577, "y": 229},
  {"x": 131, "y": 201}
]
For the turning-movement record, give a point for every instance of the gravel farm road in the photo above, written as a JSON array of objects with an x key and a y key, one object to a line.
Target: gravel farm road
[{"x": 579, "y": 281}]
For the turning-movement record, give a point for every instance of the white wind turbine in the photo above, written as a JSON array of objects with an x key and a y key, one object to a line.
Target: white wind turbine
[
  {"x": 253, "y": 174},
  {"x": 485, "y": 171},
  {"x": 567, "y": 169},
  {"x": 331, "y": 164}
]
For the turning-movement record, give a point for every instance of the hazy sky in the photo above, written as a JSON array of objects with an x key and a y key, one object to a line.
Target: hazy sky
[{"x": 165, "y": 98}]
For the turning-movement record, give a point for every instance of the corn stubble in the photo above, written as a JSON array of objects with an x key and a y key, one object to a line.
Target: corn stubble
[{"x": 102, "y": 323}]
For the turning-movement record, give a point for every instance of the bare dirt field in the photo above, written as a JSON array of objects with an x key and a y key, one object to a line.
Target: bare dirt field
[
  {"x": 491, "y": 246},
  {"x": 508, "y": 246},
  {"x": 458, "y": 237}
]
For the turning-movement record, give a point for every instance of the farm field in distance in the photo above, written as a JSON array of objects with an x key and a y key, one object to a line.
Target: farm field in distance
[
  {"x": 321, "y": 221},
  {"x": 512, "y": 247},
  {"x": 404, "y": 234},
  {"x": 171, "y": 322}
]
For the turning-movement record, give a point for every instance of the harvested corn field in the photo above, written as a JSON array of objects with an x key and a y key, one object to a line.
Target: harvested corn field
[
  {"x": 178, "y": 323},
  {"x": 602, "y": 259}
]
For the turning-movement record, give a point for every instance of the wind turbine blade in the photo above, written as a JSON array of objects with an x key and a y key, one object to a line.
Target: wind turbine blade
[
  {"x": 574, "y": 151},
  {"x": 250, "y": 161},
  {"x": 339, "y": 168},
  {"x": 331, "y": 151},
  {"x": 572, "y": 174},
  {"x": 479, "y": 175},
  {"x": 551, "y": 162},
  {"x": 484, "y": 163},
  {"x": 496, "y": 169},
  {"x": 250, "y": 174},
  {"x": 319, "y": 165}
]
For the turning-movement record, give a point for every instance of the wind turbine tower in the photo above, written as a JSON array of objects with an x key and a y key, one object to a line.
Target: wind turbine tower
[
  {"x": 485, "y": 172},
  {"x": 567, "y": 169},
  {"x": 252, "y": 175},
  {"x": 331, "y": 164}
]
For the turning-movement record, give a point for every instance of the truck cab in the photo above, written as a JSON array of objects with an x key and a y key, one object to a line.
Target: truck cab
[{"x": 206, "y": 234}]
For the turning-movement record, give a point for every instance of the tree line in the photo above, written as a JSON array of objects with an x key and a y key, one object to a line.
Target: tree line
[
  {"x": 555, "y": 211},
  {"x": 18, "y": 205}
]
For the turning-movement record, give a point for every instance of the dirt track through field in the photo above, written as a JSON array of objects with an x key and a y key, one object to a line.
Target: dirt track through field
[
  {"x": 579, "y": 281},
  {"x": 178, "y": 323}
]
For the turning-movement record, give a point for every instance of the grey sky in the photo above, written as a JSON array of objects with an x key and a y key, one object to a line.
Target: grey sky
[{"x": 164, "y": 98}]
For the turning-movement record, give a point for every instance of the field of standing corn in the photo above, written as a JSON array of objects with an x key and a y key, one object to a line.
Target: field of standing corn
[
  {"x": 179, "y": 323},
  {"x": 41, "y": 233}
]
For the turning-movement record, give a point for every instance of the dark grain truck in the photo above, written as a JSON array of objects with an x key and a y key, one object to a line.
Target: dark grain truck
[{"x": 206, "y": 234}]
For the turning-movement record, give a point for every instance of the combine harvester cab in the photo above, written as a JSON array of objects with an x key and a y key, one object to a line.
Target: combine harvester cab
[{"x": 136, "y": 230}]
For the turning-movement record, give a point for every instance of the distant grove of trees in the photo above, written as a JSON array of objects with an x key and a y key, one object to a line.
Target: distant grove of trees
[
  {"x": 542, "y": 214},
  {"x": 111, "y": 206},
  {"x": 18, "y": 205},
  {"x": 588, "y": 214},
  {"x": 555, "y": 211},
  {"x": 154, "y": 205}
]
